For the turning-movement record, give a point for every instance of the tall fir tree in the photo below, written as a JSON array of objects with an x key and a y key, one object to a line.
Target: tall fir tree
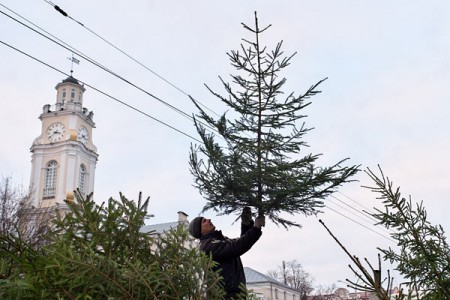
[{"x": 258, "y": 163}]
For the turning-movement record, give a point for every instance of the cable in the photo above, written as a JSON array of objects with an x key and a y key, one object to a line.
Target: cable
[
  {"x": 149, "y": 116},
  {"x": 79, "y": 53},
  {"x": 207, "y": 126},
  {"x": 388, "y": 238},
  {"x": 57, "y": 8},
  {"x": 92, "y": 61},
  {"x": 104, "y": 93},
  {"x": 365, "y": 220},
  {"x": 347, "y": 210},
  {"x": 155, "y": 119},
  {"x": 366, "y": 210},
  {"x": 363, "y": 213},
  {"x": 72, "y": 49}
]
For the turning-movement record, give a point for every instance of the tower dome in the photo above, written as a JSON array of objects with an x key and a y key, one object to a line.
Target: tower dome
[{"x": 70, "y": 79}]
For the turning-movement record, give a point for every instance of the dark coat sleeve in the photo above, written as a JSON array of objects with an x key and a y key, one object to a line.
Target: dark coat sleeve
[
  {"x": 245, "y": 228},
  {"x": 223, "y": 249}
]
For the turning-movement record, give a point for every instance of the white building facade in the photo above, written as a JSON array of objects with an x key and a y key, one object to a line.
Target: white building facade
[{"x": 267, "y": 288}]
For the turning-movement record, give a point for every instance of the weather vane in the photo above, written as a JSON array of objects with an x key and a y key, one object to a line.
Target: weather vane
[{"x": 72, "y": 61}]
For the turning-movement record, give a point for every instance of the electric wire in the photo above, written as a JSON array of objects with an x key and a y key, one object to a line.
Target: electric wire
[
  {"x": 362, "y": 215},
  {"x": 207, "y": 126},
  {"x": 79, "y": 53},
  {"x": 388, "y": 238},
  {"x": 100, "y": 91},
  {"x": 65, "y": 14},
  {"x": 157, "y": 120},
  {"x": 366, "y": 210},
  {"x": 66, "y": 46},
  {"x": 347, "y": 210},
  {"x": 378, "y": 226}
]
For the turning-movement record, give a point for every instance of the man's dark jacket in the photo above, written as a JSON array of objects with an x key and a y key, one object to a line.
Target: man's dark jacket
[{"x": 226, "y": 252}]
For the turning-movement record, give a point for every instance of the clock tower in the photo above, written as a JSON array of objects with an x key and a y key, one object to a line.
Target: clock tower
[{"x": 63, "y": 156}]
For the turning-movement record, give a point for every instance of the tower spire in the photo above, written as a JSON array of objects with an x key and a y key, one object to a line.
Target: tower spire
[{"x": 72, "y": 61}]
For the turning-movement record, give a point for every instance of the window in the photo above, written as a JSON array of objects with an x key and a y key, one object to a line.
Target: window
[
  {"x": 82, "y": 179},
  {"x": 51, "y": 172},
  {"x": 276, "y": 294},
  {"x": 72, "y": 95},
  {"x": 63, "y": 99}
]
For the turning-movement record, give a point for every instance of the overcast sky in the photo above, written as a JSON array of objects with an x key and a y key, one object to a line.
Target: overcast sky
[{"x": 386, "y": 102}]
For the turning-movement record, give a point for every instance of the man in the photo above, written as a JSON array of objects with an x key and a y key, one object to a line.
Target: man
[{"x": 226, "y": 252}]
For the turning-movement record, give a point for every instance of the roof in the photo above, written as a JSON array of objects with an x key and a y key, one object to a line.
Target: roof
[
  {"x": 253, "y": 276},
  {"x": 71, "y": 80},
  {"x": 163, "y": 227},
  {"x": 159, "y": 228}
]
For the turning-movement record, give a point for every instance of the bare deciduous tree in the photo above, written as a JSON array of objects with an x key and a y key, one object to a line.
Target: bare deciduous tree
[
  {"x": 321, "y": 291},
  {"x": 11, "y": 201},
  {"x": 292, "y": 274},
  {"x": 19, "y": 217}
]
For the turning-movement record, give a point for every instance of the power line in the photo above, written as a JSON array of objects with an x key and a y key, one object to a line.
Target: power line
[
  {"x": 365, "y": 209},
  {"x": 163, "y": 123},
  {"x": 153, "y": 118},
  {"x": 388, "y": 238},
  {"x": 361, "y": 218},
  {"x": 66, "y": 46},
  {"x": 92, "y": 61},
  {"x": 347, "y": 210},
  {"x": 100, "y": 91},
  {"x": 363, "y": 213},
  {"x": 79, "y": 53},
  {"x": 65, "y": 14}
]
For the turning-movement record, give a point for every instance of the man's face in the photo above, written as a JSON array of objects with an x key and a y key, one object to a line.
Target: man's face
[{"x": 207, "y": 226}]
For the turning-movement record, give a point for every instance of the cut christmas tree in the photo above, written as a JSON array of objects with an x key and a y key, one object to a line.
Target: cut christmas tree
[{"x": 250, "y": 156}]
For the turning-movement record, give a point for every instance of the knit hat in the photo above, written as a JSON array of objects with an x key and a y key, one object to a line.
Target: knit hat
[{"x": 195, "y": 227}]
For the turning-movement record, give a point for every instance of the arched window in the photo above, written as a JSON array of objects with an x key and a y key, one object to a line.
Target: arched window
[
  {"x": 51, "y": 172},
  {"x": 82, "y": 179}
]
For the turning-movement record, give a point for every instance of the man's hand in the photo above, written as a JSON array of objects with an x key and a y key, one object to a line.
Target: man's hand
[
  {"x": 260, "y": 221},
  {"x": 246, "y": 216}
]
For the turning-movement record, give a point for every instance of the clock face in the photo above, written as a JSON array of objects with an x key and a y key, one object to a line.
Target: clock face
[
  {"x": 83, "y": 135},
  {"x": 55, "y": 132}
]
